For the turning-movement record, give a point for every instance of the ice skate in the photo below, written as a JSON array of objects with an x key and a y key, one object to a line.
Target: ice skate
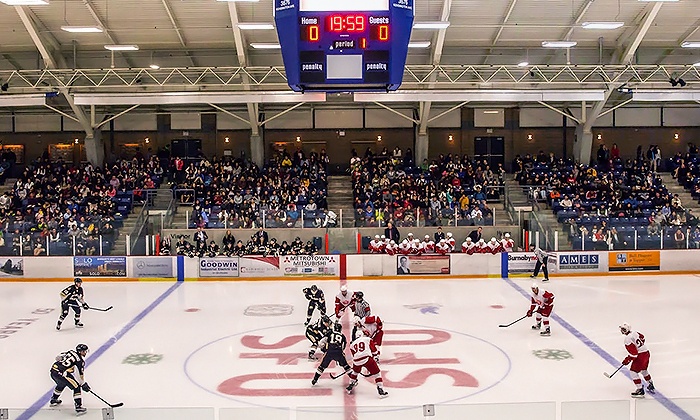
[
  {"x": 545, "y": 280},
  {"x": 79, "y": 324},
  {"x": 350, "y": 387},
  {"x": 382, "y": 393},
  {"x": 54, "y": 402},
  {"x": 58, "y": 327},
  {"x": 312, "y": 355},
  {"x": 546, "y": 332},
  {"x": 650, "y": 388},
  {"x": 537, "y": 326},
  {"x": 639, "y": 393},
  {"x": 79, "y": 411}
]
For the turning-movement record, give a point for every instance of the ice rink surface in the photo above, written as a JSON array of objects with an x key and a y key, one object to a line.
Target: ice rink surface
[{"x": 231, "y": 350}]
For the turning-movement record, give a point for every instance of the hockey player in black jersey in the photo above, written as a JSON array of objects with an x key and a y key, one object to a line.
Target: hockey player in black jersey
[
  {"x": 316, "y": 300},
  {"x": 333, "y": 344},
  {"x": 68, "y": 371},
  {"x": 72, "y": 298},
  {"x": 315, "y": 332}
]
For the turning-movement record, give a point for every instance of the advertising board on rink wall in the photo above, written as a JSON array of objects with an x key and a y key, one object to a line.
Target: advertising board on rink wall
[
  {"x": 310, "y": 265},
  {"x": 99, "y": 266},
  {"x": 218, "y": 267},
  {"x": 422, "y": 264},
  {"x": 634, "y": 260},
  {"x": 259, "y": 266},
  {"x": 577, "y": 262},
  {"x": 524, "y": 262},
  {"x": 158, "y": 267}
]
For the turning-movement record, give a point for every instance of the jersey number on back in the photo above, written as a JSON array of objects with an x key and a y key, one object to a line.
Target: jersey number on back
[
  {"x": 640, "y": 341},
  {"x": 358, "y": 347},
  {"x": 336, "y": 339}
]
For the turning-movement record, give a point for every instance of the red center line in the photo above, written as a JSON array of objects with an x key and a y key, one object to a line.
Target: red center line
[{"x": 350, "y": 408}]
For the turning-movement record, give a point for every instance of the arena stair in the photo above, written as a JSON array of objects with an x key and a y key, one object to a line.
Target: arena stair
[
  {"x": 674, "y": 187},
  {"x": 340, "y": 197}
]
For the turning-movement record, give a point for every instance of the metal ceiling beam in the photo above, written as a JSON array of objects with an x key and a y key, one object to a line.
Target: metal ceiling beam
[
  {"x": 650, "y": 13},
  {"x": 481, "y": 95},
  {"x": 435, "y": 59},
  {"x": 178, "y": 31},
  {"x": 243, "y": 62},
  {"x": 107, "y": 31},
  {"x": 501, "y": 27},
  {"x": 52, "y": 62},
  {"x": 574, "y": 22},
  {"x": 185, "y": 98},
  {"x": 694, "y": 28}
]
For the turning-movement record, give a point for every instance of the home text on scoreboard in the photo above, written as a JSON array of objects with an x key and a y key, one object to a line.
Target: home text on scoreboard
[{"x": 330, "y": 45}]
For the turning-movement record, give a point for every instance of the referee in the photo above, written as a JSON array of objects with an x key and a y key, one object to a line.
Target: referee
[{"x": 542, "y": 258}]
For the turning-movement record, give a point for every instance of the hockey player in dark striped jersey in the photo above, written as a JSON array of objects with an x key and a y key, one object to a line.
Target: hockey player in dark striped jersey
[
  {"x": 68, "y": 372},
  {"x": 316, "y": 300},
  {"x": 315, "y": 332},
  {"x": 333, "y": 344},
  {"x": 72, "y": 298}
]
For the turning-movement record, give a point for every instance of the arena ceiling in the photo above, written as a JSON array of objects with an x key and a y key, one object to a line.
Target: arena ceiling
[{"x": 206, "y": 33}]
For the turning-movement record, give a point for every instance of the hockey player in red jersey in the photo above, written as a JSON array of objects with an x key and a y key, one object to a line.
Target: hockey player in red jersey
[
  {"x": 507, "y": 243},
  {"x": 494, "y": 247},
  {"x": 541, "y": 303},
  {"x": 428, "y": 245},
  {"x": 342, "y": 301},
  {"x": 442, "y": 247},
  {"x": 451, "y": 241},
  {"x": 364, "y": 354},
  {"x": 639, "y": 357},
  {"x": 390, "y": 248},
  {"x": 374, "y": 327},
  {"x": 468, "y": 247},
  {"x": 375, "y": 245}
]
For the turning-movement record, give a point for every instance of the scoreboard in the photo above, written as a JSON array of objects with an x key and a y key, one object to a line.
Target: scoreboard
[{"x": 336, "y": 45}]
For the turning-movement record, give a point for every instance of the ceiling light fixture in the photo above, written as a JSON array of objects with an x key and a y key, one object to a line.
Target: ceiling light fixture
[
  {"x": 154, "y": 66},
  {"x": 431, "y": 25},
  {"x": 658, "y": 1},
  {"x": 265, "y": 46},
  {"x": 697, "y": 64},
  {"x": 690, "y": 44},
  {"x": 81, "y": 29},
  {"x": 492, "y": 111},
  {"x": 122, "y": 47},
  {"x": 602, "y": 25},
  {"x": 523, "y": 64},
  {"x": 421, "y": 44},
  {"x": 252, "y": 26},
  {"x": 246, "y": 1},
  {"x": 558, "y": 44},
  {"x": 25, "y": 2}
]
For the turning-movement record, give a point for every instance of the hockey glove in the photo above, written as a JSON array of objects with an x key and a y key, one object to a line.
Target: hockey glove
[
  {"x": 529, "y": 313},
  {"x": 86, "y": 307},
  {"x": 627, "y": 360},
  {"x": 86, "y": 387}
]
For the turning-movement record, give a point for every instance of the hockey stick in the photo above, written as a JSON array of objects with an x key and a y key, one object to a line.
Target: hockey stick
[
  {"x": 340, "y": 374},
  {"x": 101, "y": 310},
  {"x": 517, "y": 320},
  {"x": 103, "y": 400},
  {"x": 610, "y": 375}
]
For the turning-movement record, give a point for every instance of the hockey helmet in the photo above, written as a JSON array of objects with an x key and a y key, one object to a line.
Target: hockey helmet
[
  {"x": 343, "y": 288},
  {"x": 376, "y": 236},
  {"x": 359, "y": 295},
  {"x": 314, "y": 287},
  {"x": 427, "y": 236},
  {"x": 383, "y": 237},
  {"x": 337, "y": 327},
  {"x": 449, "y": 234},
  {"x": 469, "y": 239},
  {"x": 535, "y": 287},
  {"x": 77, "y": 280},
  {"x": 80, "y": 348},
  {"x": 625, "y": 328},
  {"x": 357, "y": 320},
  {"x": 325, "y": 319},
  {"x": 493, "y": 239},
  {"x": 507, "y": 235},
  {"x": 409, "y": 234}
]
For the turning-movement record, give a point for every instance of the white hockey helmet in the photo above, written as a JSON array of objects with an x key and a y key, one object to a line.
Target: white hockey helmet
[
  {"x": 449, "y": 234},
  {"x": 442, "y": 241},
  {"x": 469, "y": 239},
  {"x": 493, "y": 239},
  {"x": 625, "y": 328},
  {"x": 507, "y": 235},
  {"x": 383, "y": 237},
  {"x": 427, "y": 236},
  {"x": 343, "y": 288},
  {"x": 393, "y": 242},
  {"x": 405, "y": 241},
  {"x": 535, "y": 287},
  {"x": 482, "y": 241},
  {"x": 376, "y": 236},
  {"x": 410, "y": 234},
  {"x": 357, "y": 320}
]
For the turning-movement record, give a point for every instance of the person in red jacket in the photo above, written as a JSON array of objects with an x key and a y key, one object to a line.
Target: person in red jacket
[{"x": 541, "y": 303}]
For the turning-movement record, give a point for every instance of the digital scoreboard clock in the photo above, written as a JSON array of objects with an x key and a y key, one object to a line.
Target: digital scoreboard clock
[{"x": 334, "y": 45}]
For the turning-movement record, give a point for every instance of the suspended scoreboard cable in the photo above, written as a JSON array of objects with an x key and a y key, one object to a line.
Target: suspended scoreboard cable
[{"x": 336, "y": 45}]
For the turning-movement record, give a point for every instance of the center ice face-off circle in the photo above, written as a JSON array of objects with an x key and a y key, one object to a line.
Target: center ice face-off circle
[{"x": 268, "y": 367}]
